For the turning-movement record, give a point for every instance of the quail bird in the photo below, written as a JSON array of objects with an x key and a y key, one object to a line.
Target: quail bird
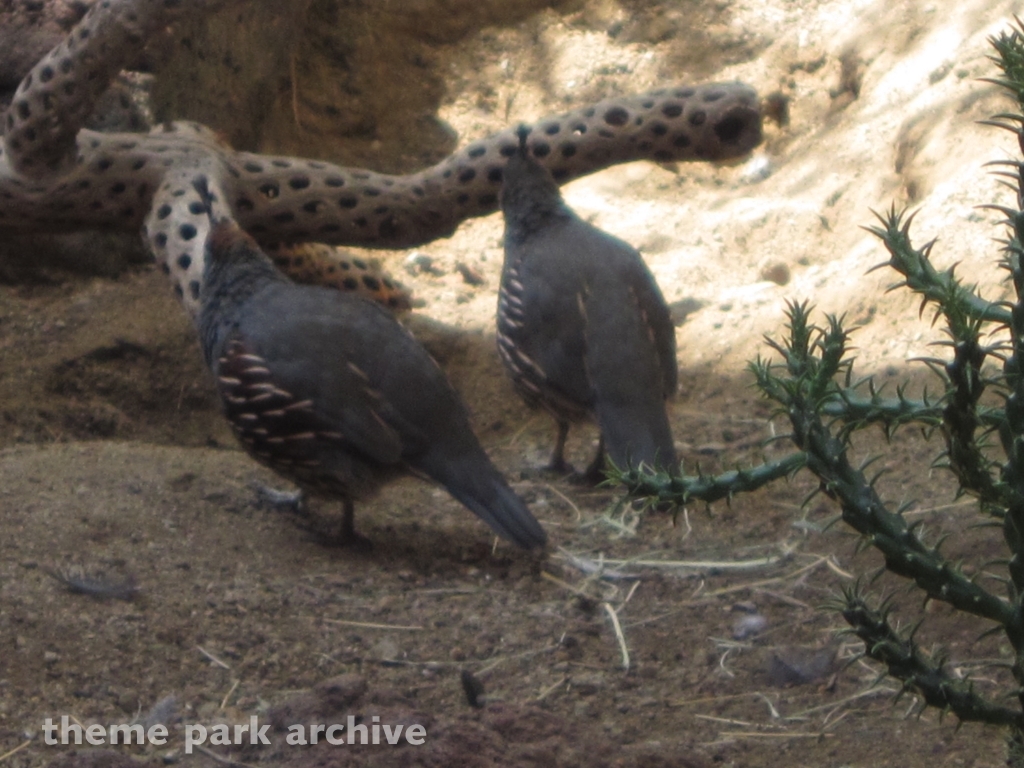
[
  {"x": 329, "y": 391},
  {"x": 583, "y": 329}
]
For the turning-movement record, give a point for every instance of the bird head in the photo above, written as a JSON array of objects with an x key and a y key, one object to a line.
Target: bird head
[
  {"x": 226, "y": 241},
  {"x": 526, "y": 184}
]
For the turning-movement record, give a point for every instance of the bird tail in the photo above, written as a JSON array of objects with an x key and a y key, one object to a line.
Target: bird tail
[
  {"x": 481, "y": 489},
  {"x": 629, "y": 384},
  {"x": 636, "y": 433}
]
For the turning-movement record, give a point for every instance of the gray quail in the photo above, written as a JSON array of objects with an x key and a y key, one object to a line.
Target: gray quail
[
  {"x": 583, "y": 329},
  {"x": 329, "y": 391}
]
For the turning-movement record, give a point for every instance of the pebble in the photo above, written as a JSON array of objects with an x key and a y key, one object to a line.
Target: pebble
[
  {"x": 417, "y": 263},
  {"x": 748, "y": 626}
]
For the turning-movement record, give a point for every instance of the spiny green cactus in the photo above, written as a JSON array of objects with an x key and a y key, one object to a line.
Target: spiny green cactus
[{"x": 978, "y": 411}]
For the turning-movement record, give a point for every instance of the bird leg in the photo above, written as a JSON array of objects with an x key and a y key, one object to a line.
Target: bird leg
[
  {"x": 326, "y": 531},
  {"x": 592, "y": 475},
  {"x": 558, "y": 463},
  {"x": 346, "y": 535},
  {"x": 329, "y": 533}
]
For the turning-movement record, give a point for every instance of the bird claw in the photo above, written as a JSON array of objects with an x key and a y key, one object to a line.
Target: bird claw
[
  {"x": 559, "y": 467},
  {"x": 558, "y": 471},
  {"x": 324, "y": 530},
  {"x": 354, "y": 541},
  {"x": 331, "y": 532},
  {"x": 590, "y": 477}
]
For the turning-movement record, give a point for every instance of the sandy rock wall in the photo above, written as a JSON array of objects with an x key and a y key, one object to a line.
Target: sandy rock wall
[{"x": 882, "y": 101}]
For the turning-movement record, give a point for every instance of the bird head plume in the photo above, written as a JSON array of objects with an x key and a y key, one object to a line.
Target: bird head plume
[
  {"x": 529, "y": 194},
  {"x": 522, "y": 132}
]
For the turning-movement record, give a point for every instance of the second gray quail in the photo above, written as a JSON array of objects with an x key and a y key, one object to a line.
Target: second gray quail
[
  {"x": 329, "y": 391},
  {"x": 583, "y": 329}
]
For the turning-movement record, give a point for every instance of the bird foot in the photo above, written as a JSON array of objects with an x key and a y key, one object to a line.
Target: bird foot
[
  {"x": 357, "y": 542},
  {"x": 594, "y": 474},
  {"x": 590, "y": 477},
  {"x": 552, "y": 469},
  {"x": 330, "y": 532},
  {"x": 326, "y": 530},
  {"x": 559, "y": 467},
  {"x": 341, "y": 538}
]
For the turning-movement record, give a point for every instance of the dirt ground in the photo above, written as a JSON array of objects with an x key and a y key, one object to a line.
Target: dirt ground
[{"x": 116, "y": 467}]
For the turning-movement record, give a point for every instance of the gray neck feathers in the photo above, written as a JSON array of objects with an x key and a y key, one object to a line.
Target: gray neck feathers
[
  {"x": 231, "y": 278},
  {"x": 530, "y": 199}
]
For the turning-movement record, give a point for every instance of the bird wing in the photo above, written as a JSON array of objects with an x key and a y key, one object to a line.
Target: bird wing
[
  {"x": 626, "y": 278},
  {"x": 400, "y": 402},
  {"x": 309, "y": 359},
  {"x": 658, "y": 319},
  {"x": 545, "y": 337},
  {"x": 627, "y": 380},
  {"x": 630, "y": 354}
]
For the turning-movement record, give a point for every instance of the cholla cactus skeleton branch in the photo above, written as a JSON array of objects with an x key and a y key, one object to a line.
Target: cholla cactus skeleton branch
[{"x": 54, "y": 175}]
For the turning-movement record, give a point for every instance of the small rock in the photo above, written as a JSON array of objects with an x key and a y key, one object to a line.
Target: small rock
[
  {"x": 777, "y": 273},
  {"x": 164, "y": 712},
  {"x": 776, "y": 108},
  {"x": 682, "y": 309},
  {"x": 588, "y": 685},
  {"x": 748, "y": 626},
  {"x": 469, "y": 275},
  {"x": 757, "y": 169},
  {"x": 342, "y": 691},
  {"x": 418, "y": 263},
  {"x": 799, "y": 666},
  {"x": 387, "y": 650},
  {"x": 473, "y": 688}
]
